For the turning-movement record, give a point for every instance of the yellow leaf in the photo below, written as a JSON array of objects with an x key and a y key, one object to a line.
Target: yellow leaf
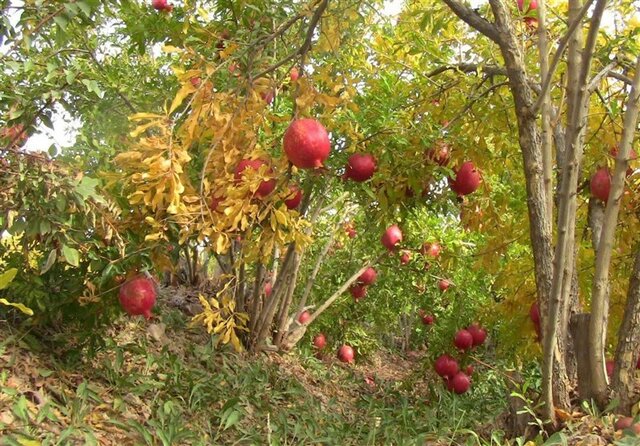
[
  {"x": 153, "y": 237},
  {"x": 171, "y": 49},
  {"x": 140, "y": 116},
  {"x": 26, "y": 310},
  {"x": 186, "y": 90},
  {"x": 26, "y": 442}
]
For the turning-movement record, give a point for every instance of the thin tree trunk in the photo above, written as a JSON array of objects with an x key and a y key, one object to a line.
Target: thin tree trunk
[
  {"x": 547, "y": 134},
  {"x": 316, "y": 269},
  {"x": 600, "y": 295},
  {"x": 283, "y": 313},
  {"x": 626, "y": 358}
]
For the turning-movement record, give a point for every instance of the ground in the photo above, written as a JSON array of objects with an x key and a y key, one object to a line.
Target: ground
[{"x": 163, "y": 383}]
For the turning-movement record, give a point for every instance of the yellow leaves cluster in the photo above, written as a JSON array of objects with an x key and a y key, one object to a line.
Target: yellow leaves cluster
[{"x": 221, "y": 318}]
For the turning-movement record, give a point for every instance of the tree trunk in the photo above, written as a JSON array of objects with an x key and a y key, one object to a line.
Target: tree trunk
[
  {"x": 580, "y": 335},
  {"x": 626, "y": 358}
]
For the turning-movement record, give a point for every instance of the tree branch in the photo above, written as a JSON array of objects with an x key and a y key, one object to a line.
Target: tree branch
[{"x": 474, "y": 20}]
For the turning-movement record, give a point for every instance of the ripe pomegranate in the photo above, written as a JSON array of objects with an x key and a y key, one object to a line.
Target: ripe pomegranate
[
  {"x": 463, "y": 339},
  {"x": 469, "y": 370},
  {"x": 268, "y": 288},
  {"x": 138, "y": 296},
  {"x": 533, "y": 5},
  {"x": 319, "y": 341},
  {"x": 600, "y": 184},
  {"x": 294, "y": 74},
  {"x": 346, "y": 354},
  {"x": 196, "y": 81},
  {"x": 478, "y": 333},
  {"x": 610, "y": 365},
  {"x": 159, "y": 5},
  {"x": 461, "y": 383},
  {"x": 440, "y": 153},
  {"x": 427, "y": 319},
  {"x": 268, "y": 96},
  {"x": 295, "y": 195},
  {"x": 445, "y": 365},
  {"x": 368, "y": 276},
  {"x": 534, "y": 313},
  {"x": 443, "y": 284},
  {"x": 623, "y": 423},
  {"x": 358, "y": 291},
  {"x": 306, "y": 143},
  {"x": 304, "y": 317},
  {"x": 360, "y": 167},
  {"x": 449, "y": 383},
  {"x": 405, "y": 258},
  {"x": 391, "y": 237},
  {"x": 215, "y": 201},
  {"x": 223, "y": 37},
  {"x": 467, "y": 179},
  {"x": 431, "y": 249},
  {"x": 266, "y": 187}
]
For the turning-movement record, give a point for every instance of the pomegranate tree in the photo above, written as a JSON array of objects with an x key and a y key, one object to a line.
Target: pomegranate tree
[
  {"x": 138, "y": 296},
  {"x": 265, "y": 187},
  {"x": 368, "y": 276},
  {"x": 306, "y": 143},
  {"x": 600, "y": 184},
  {"x": 467, "y": 179},
  {"x": 391, "y": 237},
  {"x": 360, "y": 167},
  {"x": 346, "y": 354}
]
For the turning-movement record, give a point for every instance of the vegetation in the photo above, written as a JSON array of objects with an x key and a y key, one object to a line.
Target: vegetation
[{"x": 426, "y": 220}]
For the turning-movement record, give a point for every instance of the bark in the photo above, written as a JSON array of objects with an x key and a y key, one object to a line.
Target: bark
[
  {"x": 547, "y": 135},
  {"x": 255, "y": 299},
  {"x": 314, "y": 273},
  {"x": 626, "y": 358},
  {"x": 281, "y": 324},
  {"x": 600, "y": 294},
  {"x": 580, "y": 335}
]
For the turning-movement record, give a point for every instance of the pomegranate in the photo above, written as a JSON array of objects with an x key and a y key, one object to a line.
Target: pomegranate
[
  {"x": 610, "y": 365},
  {"x": 268, "y": 288},
  {"x": 478, "y": 334},
  {"x": 632, "y": 157},
  {"x": 443, "y": 284},
  {"x": 346, "y": 354},
  {"x": 306, "y": 143},
  {"x": 533, "y": 5},
  {"x": 268, "y": 96},
  {"x": 440, "y": 153},
  {"x": 294, "y": 74},
  {"x": 469, "y": 370},
  {"x": 319, "y": 341},
  {"x": 461, "y": 383},
  {"x": 405, "y": 258},
  {"x": 391, "y": 237},
  {"x": 600, "y": 184},
  {"x": 463, "y": 339},
  {"x": 266, "y": 187},
  {"x": 427, "y": 319},
  {"x": 360, "y": 167},
  {"x": 449, "y": 383},
  {"x": 623, "y": 423},
  {"x": 215, "y": 201},
  {"x": 138, "y": 296},
  {"x": 431, "y": 249},
  {"x": 368, "y": 276},
  {"x": 534, "y": 313},
  {"x": 358, "y": 291},
  {"x": 467, "y": 179},
  {"x": 304, "y": 317},
  {"x": 445, "y": 365},
  {"x": 295, "y": 195},
  {"x": 159, "y": 5},
  {"x": 195, "y": 81}
]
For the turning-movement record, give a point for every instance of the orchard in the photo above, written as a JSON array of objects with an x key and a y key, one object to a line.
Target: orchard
[{"x": 254, "y": 223}]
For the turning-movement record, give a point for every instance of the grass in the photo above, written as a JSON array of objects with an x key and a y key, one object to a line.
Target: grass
[{"x": 148, "y": 386}]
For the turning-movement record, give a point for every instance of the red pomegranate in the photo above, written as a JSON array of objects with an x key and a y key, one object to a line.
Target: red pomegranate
[
  {"x": 266, "y": 187},
  {"x": 159, "y": 5},
  {"x": 319, "y": 341},
  {"x": 440, "y": 153},
  {"x": 610, "y": 366},
  {"x": 533, "y": 5},
  {"x": 268, "y": 96},
  {"x": 346, "y": 354},
  {"x": 306, "y": 143},
  {"x": 467, "y": 179},
  {"x": 478, "y": 334},
  {"x": 431, "y": 249},
  {"x": 427, "y": 319},
  {"x": 360, "y": 167},
  {"x": 448, "y": 383},
  {"x": 138, "y": 296},
  {"x": 461, "y": 383},
  {"x": 623, "y": 423},
  {"x": 534, "y": 313},
  {"x": 633, "y": 155},
  {"x": 443, "y": 284},
  {"x": 391, "y": 237},
  {"x": 469, "y": 370},
  {"x": 304, "y": 317},
  {"x": 368, "y": 276},
  {"x": 352, "y": 232},
  {"x": 358, "y": 291},
  {"x": 294, "y": 74},
  {"x": 295, "y": 195},
  {"x": 405, "y": 258},
  {"x": 463, "y": 339},
  {"x": 445, "y": 365},
  {"x": 196, "y": 81},
  {"x": 600, "y": 184},
  {"x": 215, "y": 201},
  {"x": 268, "y": 288}
]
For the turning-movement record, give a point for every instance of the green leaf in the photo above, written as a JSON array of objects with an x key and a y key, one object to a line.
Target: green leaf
[
  {"x": 51, "y": 259},
  {"x": 71, "y": 255},
  {"x": 7, "y": 277},
  {"x": 87, "y": 188},
  {"x": 61, "y": 21}
]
